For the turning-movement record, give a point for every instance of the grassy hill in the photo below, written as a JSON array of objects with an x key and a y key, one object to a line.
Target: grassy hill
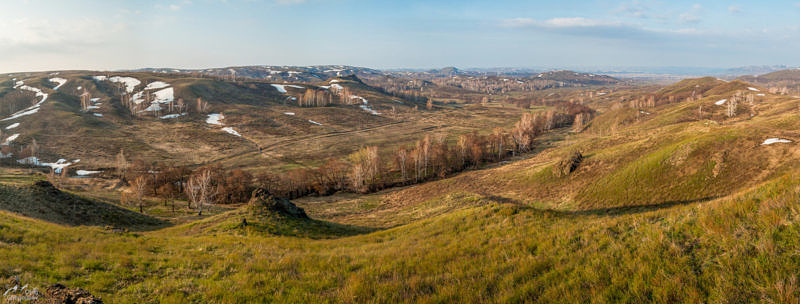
[
  {"x": 43, "y": 201},
  {"x": 669, "y": 204}
]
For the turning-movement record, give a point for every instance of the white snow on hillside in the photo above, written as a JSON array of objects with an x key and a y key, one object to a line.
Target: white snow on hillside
[
  {"x": 92, "y": 107},
  {"x": 130, "y": 82},
  {"x": 58, "y": 166},
  {"x": 153, "y": 108},
  {"x": 363, "y": 100},
  {"x": 721, "y": 102},
  {"x": 753, "y": 89},
  {"x": 18, "y": 84},
  {"x": 214, "y": 119},
  {"x": 337, "y": 87},
  {"x": 80, "y": 87},
  {"x": 32, "y": 109},
  {"x": 95, "y": 99},
  {"x": 761, "y": 94},
  {"x": 281, "y": 88},
  {"x": 365, "y": 105},
  {"x": 334, "y": 80},
  {"x": 172, "y": 116},
  {"x": 60, "y": 81},
  {"x": 314, "y": 122},
  {"x": 99, "y": 78},
  {"x": 86, "y": 172},
  {"x": 295, "y": 86},
  {"x": 289, "y": 113},
  {"x": 775, "y": 140},
  {"x": 138, "y": 97},
  {"x": 14, "y": 125},
  {"x": 10, "y": 139},
  {"x": 231, "y": 131},
  {"x": 164, "y": 96},
  {"x": 156, "y": 85},
  {"x": 98, "y": 114},
  {"x": 325, "y": 87}
]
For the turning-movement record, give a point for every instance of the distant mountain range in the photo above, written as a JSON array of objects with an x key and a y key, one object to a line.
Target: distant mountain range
[{"x": 324, "y": 72}]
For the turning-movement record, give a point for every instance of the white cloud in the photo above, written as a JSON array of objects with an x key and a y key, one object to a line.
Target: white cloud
[
  {"x": 44, "y": 33},
  {"x": 692, "y": 16},
  {"x": 578, "y": 22},
  {"x": 557, "y": 22},
  {"x": 290, "y": 2},
  {"x": 733, "y": 9}
]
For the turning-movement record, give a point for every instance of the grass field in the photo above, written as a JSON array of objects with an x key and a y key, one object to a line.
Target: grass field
[{"x": 666, "y": 207}]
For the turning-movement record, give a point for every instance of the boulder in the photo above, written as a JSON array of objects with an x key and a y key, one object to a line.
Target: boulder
[
  {"x": 568, "y": 165},
  {"x": 261, "y": 201}
]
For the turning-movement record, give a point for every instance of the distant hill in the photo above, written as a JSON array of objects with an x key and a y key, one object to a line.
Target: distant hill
[{"x": 782, "y": 75}]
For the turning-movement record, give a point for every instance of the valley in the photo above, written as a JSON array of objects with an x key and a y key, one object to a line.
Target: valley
[{"x": 612, "y": 191}]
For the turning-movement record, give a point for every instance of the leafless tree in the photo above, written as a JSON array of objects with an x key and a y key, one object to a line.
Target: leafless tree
[
  {"x": 200, "y": 190},
  {"x": 139, "y": 186}
]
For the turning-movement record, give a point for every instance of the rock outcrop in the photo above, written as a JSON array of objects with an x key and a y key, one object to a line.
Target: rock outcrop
[{"x": 261, "y": 201}]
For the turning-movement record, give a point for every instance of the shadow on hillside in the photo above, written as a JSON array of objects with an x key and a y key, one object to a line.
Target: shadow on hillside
[
  {"x": 638, "y": 209},
  {"x": 281, "y": 225},
  {"x": 610, "y": 211},
  {"x": 43, "y": 201}
]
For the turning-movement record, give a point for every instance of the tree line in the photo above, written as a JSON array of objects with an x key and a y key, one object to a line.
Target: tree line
[{"x": 366, "y": 170}]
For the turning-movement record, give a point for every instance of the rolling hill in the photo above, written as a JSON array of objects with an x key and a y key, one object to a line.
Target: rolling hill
[{"x": 687, "y": 198}]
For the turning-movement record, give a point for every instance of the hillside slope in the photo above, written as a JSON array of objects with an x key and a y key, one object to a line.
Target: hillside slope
[{"x": 42, "y": 200}]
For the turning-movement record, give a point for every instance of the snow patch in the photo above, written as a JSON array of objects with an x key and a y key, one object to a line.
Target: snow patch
[
  {"x": 281, "y": 88},
  {"x": 58, "y": 166},
  {"x": 86, "y": 172},
  {"x": 10, "y": 139},
  {"x": 97, "y": 114},
  {"x": 775, "y": 140},
  {"x": 721, "y": 102},
  {"x": 214, "y": 119},
  {"x": 289, "y": 113},
  {"x": 164, "y": 96},
  {"x": 314, "y": 122},
  {"x": 130, "y": 82},
  {"x": 32, "y": 109},
  {"x": 761, "y": 94},
  {"x": 156, "y": 85},
  {"x": 231, "y": 131},
  {"x": 170, "y": 116},
  {"x": 14, "y": 125},
  {"x": 60, "y": 81},
  {"x": 753, "y": 89}
]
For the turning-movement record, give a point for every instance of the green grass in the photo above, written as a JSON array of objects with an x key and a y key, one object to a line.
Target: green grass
[{"x": 734, "y": 250}]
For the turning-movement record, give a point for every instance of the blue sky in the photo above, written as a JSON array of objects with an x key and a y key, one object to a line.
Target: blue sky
[{"x": 50, "y": 35}]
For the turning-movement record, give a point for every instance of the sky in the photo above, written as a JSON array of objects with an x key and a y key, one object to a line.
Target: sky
[{"x": 40, "y": 35}]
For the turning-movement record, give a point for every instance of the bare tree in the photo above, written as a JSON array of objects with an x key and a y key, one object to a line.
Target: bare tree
[
  {"x": 139, "y": 186},
  {"x": 200, "y": 190}
]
